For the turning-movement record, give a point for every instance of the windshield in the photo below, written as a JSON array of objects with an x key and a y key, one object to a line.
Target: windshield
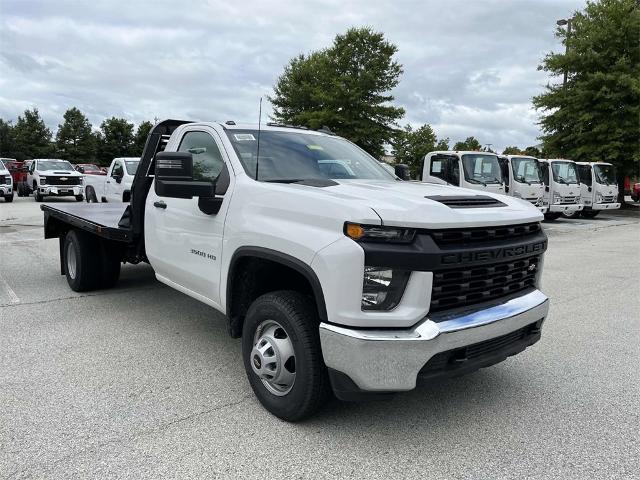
[
  {"x": 525, "y": 170},
  {"x": 132, "y": 166},
  {"x": 481, "y": 168},
  {"x": 294, "y": 156},
  {"x": 54, "y": 165},
  {"x": 605, "y": 174},
  {"x": 564, "y": 172},
  {"x": 91, "y": 168}
]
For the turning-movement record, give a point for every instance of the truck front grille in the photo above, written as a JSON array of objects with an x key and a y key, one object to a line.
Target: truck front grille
[
  {"x": 569, "y": 200},
  {"x": 3, "y": 180},
  {"x": 608, "y": 199},
  {"x": 458, "y": 287},
  {"x": 63, "y": 180},
  {"x": 463, "y": 236}
]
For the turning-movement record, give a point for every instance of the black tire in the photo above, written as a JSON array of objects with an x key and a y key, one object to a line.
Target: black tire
[
  {"x": 20, "y": 190},
  {"x": 591, "y": 213},
  {"x": 551, "y": 216},
  {"x": 575, "y": 214},
  {"x": 79, "y": 198},
  {"x": 8, "y": 198},
  {"x": 90, "y": 195},
  {"x": 298, "y": 316},
  {"x": 82, "y": 250},
  {"x": 36, "y": 193}
]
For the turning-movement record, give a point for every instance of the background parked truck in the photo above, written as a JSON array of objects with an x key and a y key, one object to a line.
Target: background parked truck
[
  {"x": 523, "y": 179},
  {"x": 598, "y": 187},
  {"x": 562, "y": 187},
  {"x": 54, "y": 177},
  {"x": 474, "y": 170},
  {"x": 115, "y": 186}
]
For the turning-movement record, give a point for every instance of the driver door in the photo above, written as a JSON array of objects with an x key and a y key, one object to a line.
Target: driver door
[
  {"x": 184, "y": 244},
  {"x": 113, "y": 184}
]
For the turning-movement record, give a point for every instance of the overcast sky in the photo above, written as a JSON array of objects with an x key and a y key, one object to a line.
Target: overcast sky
[{"x": 469, "y": 66}]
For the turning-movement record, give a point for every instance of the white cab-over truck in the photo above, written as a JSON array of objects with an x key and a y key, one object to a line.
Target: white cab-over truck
[
  {"x": 53, "y": 177},
  {"x": 352, "y": 281},
  {"x": 6, "y": 183},
  {"x": 475, "y": 170},
  {"x": 115, "y": 186},
  {"x": 562, "y": 187},
  {"x": 523, "y": 179},
  {"x": 598, "y": 187}
]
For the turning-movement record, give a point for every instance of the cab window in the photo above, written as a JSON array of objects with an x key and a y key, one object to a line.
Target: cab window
[
  {"x": 207, "y": 160},
  {"x": 446, "y": 168},
  {"x": 584, "y": 174}
]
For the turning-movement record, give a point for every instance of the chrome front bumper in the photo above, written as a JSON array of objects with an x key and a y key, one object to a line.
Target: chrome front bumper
[
  {"x": 389, "y": 360},
  {"x": 568, "y": 207},
  {"x": 61, "y": 190},
  {"x": 605, "y": 206}
]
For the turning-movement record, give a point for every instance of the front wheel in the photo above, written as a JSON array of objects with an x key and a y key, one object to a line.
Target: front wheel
[
  {"x": 8, "y": 198},
  {"x": 79, "y": 198},
  {"x": 282, "y": 355},
  {"x": 550, "y": 216},
  {"x": 575, "y": 214},
  {"x": 591, "y": 213}
]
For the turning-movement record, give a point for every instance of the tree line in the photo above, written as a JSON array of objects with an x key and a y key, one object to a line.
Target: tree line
[{"x": 75, "y": 140}]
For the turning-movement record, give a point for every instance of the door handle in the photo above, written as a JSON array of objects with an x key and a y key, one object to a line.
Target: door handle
[{"x": 160, "y": 204}]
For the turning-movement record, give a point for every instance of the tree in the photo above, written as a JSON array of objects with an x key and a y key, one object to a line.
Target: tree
[
  {"x": 443, "y": 144},
  {"x": 74, "y": 140},
  {"x": 512, "y": 151},
  {"x": 533, "y": 152},
  {"x": 470, "y": 144},
  {"x": 344, "y": 87},
  {"x": 595, "y": 116},
  {"x": 32, "y": 137},
  {"x": 115, "y": 139},
  {"x": 410, "y": 146},
  {"x": 141, "y": 137},
  {"x": 7, "y": 139}
]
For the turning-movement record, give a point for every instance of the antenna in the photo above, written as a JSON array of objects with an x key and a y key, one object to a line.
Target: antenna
[{"x": 258, "y": 145}]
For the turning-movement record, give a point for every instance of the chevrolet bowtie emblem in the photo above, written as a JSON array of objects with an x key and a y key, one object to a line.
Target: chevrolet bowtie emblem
[
  {"x": 64, "y": 179},
  {"x": 532, "y": 267}
]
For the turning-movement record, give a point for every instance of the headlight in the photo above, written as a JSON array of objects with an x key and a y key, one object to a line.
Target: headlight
[
  {"x": 81, "y": 181},
  {"x": 8, "y": 179},
  {"x": 43, "y": 180},
  {"x": 599, "y": 197},
  {"x": 557, "y": 198},
  {"x": 578, "y": 198},
  {"x": 383, "y": 287},
  {"x": 375, "y": 233}
]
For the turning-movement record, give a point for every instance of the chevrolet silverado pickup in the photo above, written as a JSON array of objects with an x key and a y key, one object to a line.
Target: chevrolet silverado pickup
[
  {"x": 337, "y": 276},
  {"x": 115, "y": 186}
]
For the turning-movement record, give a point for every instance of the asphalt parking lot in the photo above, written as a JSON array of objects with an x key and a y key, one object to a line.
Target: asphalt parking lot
[{"x": 143, "y": 382}]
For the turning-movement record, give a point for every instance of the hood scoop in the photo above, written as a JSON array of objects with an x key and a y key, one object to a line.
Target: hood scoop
[{"x": 474, "y": 201}]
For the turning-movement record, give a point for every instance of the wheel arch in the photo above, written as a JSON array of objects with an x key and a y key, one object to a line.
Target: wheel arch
[{"x": 276, "y": 258}]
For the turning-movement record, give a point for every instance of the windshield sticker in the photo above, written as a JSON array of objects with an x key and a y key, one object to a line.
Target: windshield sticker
[
  {"x": 244, "y": 137},
  {"x": 314, "y": 147}
]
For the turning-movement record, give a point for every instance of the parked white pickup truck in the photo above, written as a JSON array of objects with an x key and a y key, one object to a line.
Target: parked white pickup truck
[
  {"x": 353, "y": 282},
  {"x": 51, "y": 176},
  {"x": 475, "y": 170},
  {"x": 6, "y": 183},
  {"x": 115, "y": 186}
]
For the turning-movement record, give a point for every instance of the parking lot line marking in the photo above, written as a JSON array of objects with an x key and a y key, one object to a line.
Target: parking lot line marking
[{"x": 13, "y": 298}]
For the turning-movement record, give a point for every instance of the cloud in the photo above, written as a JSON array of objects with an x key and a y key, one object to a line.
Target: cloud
[{"x": 470, "y": 67}]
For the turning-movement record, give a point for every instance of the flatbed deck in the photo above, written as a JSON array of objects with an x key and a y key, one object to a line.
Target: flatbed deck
[{"x": 99, "y": 218}]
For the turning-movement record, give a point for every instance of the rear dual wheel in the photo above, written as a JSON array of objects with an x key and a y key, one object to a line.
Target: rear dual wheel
[{"x": 282, "y": 355}]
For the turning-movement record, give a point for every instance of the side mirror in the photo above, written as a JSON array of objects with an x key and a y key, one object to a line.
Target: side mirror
[
  {"x": 546, "y": 189},
  {"x": 589, "y": 189},
  {"x": 174, "y": 177},
  {"x": 506, "y": 189},
  {"x": 118, "y": 178},
  {"x": 402, "y": 171}
]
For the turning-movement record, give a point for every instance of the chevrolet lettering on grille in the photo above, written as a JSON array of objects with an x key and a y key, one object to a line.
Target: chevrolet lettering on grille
[{"x": 495, "y": 254}]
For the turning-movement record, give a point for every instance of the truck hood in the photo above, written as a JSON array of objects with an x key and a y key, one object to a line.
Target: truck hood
[{"x": 404, "y": 204}]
